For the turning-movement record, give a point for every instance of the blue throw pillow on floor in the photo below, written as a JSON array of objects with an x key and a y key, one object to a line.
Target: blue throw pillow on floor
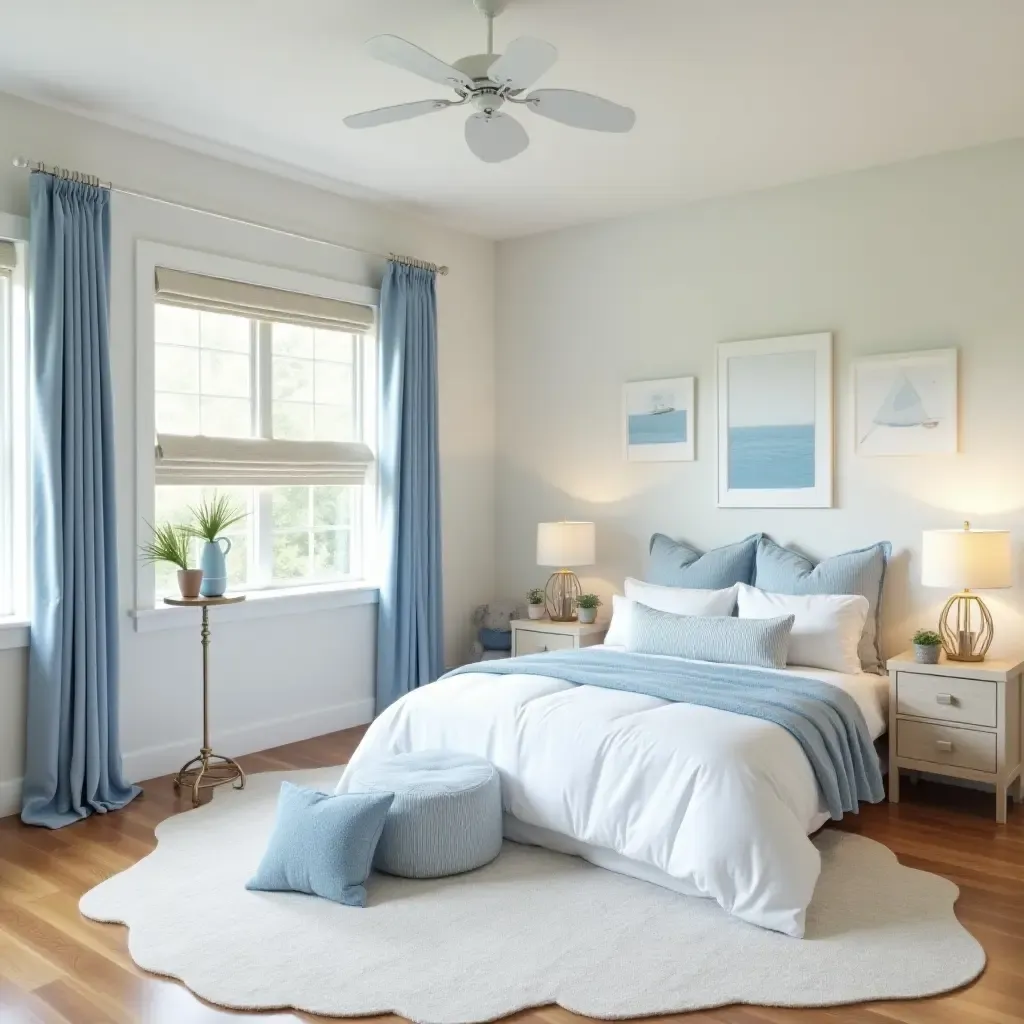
[{"x": 322, "y": 845}]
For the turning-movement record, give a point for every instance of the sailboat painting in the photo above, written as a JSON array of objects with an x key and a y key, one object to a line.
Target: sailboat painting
[
  {"x": 658, "y": 416},
  {"x": 906, "y": 404}
]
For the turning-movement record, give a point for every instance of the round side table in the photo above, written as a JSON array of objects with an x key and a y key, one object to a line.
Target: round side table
[{"x": 208, "y": 769}]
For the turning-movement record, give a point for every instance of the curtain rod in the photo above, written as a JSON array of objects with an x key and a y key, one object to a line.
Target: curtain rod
[{"x": 89, "y": 179}]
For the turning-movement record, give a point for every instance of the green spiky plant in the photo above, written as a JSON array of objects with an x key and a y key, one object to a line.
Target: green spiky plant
[
  {"x": 927, "y": 638},
  {"x": 535, "y": 596},
  {"x": 214, "y": 516},
  {"x": 588, "y": 601},
  {"x": 171, "y": 542}
]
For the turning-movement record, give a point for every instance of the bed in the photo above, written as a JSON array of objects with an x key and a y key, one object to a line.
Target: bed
[{"x": 703, "y": 801}]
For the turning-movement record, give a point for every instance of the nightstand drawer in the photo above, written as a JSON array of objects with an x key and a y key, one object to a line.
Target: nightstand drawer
[
  {"x": 533, "y": 641},
  {"x": 948, "y": 698},
  {"x": 945, "y": 744}
]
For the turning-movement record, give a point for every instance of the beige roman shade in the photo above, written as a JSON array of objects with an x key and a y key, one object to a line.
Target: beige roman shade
[
  {"x": 8, "y": 256},
  {"x": 217, "y": 295},
  {"x": 258, "y": 462}
]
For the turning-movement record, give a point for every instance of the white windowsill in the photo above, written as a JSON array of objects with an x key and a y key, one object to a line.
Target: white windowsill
[
  {"x": 13, "y": 632},
  {"x": 261, "y": 604}
]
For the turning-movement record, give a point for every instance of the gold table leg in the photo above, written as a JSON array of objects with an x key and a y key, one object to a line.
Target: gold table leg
[{"x": 208, "y": 769}]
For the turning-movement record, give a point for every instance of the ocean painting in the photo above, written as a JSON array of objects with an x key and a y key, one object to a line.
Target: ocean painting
[
  {"x": 667, "y": 426},
  {"x": 775, "y": 422},
  {"x": 658, "y": 420},
  {"x": 772, "y": 458}
]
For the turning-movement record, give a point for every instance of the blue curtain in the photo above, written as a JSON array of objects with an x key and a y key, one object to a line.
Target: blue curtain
[
  {"x": 409, "y": 632},
  {"x": 72, "y": 759}
]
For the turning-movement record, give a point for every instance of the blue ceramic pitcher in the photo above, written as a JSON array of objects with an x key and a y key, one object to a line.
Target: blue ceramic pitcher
[{"x": 215, "y": 570}]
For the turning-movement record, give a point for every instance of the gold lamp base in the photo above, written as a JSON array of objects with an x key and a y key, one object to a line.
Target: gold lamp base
[
  {"x": 965, "y": 626},
  {"x": 560, "y": 595}
]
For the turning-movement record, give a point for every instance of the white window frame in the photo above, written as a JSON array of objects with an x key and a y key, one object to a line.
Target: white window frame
[
  {"x": 149, "y": 256},
  {"x": 14, "y": 433}
]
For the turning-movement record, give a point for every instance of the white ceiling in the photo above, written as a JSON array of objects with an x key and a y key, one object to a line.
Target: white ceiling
[{"x": 731, "y": 95}]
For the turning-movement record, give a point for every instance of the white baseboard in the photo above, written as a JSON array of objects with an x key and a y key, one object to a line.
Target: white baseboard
[
  {"x": 169, "y": 757},
  {"x": 10, "y": 797}
]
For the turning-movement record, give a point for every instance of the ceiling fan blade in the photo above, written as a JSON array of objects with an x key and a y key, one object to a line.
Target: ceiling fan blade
[
  {"x": 522, "y": 63},
  {"x": 401, "y": 112},
  {"x": 403, "y": 54},
  {"x": 581, "y": 110},
  {"x": 495, "y": 137}
]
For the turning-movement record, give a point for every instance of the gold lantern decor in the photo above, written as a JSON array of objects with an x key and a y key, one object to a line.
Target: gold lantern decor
[
  {"x": 967, "y": 560},
  {"x": 562, "y": 545}
]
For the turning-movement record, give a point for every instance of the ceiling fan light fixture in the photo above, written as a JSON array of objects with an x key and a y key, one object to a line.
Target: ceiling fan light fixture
[{"x": 487, "y": 81}]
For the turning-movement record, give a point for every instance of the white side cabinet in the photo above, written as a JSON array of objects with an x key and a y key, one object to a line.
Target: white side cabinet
[
  {"x": 960, "y": 719},
  {"x": 532, "y": 636}
]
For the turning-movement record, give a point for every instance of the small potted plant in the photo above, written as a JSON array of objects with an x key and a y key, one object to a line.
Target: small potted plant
[
  {"x": 212, "y": 518},
  {"x": 927, "y": 647},
  {"x": 535, "y": 603},
  {"x": 172, "y": 543},
  {"x": 586, "y": 607}
]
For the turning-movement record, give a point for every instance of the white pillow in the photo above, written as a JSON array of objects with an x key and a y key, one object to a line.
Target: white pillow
[
  {"x": 677, "y": 600},
  {"x": 826, "y": 628}
]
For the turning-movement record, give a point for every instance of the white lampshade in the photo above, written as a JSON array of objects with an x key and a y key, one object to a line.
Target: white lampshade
[
  {"x": 966, "y": 559},
  {"x": 564, "y": 544}
]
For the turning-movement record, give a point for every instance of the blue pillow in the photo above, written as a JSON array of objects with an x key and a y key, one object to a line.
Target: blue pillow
[
  {"x": 322, "y": 845},
  {"x": 720, "y": 638},
  {"x": 781, "y": 570},
  {"x": 674, "y": 564}
]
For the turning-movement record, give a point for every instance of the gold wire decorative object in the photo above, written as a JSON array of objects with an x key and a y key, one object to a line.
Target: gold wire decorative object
[
  {"x": 208, "y": 769},
  {"x": 561, "y": 594},
  {"x": 965, "y": 626}
]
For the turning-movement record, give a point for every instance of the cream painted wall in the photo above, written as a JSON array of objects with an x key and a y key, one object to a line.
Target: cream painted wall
[
  {"x": 921, "y": 255},
  {"x": 301, "y": 675}
]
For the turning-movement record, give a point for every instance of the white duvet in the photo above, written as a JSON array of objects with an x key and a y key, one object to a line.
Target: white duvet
[{"x": 708, "y": 802}]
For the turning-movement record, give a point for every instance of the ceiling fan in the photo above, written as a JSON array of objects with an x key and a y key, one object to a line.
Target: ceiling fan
[{"x": 488, "y": 81}]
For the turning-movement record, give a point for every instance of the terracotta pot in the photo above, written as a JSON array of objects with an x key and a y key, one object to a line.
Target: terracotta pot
[{"x": 189, "y": 582}]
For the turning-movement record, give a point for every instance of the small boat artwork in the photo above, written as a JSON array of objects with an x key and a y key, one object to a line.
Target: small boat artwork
[
  {"x": 901, "y": 408},
  {"x": 660, "y": 423}
]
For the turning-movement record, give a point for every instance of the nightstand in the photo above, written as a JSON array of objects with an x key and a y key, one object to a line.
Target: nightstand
[
  {"x": 531, "y": 636},
  {"x": 960, "y": 719}
]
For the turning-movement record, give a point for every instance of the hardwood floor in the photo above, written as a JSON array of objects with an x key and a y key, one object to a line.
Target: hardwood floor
[{"x": 55, "y": 966}]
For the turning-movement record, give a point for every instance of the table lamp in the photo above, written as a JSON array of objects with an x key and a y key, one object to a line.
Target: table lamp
[
  {"x": 967, "y": 560},
  {"x": 562, "y": 545}
]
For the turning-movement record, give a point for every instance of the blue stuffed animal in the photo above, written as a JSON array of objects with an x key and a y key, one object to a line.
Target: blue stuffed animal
[{"x": 494, "y": 630}]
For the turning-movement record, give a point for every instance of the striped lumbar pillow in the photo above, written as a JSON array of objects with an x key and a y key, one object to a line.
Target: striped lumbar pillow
[{"x": 762, "y": 642}]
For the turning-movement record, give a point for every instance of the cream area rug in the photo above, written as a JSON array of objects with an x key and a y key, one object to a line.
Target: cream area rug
[{"x": 532, "y": 928}]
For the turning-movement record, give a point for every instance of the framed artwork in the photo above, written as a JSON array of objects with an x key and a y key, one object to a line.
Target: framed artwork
[
  {"x": 906, "y": 404},
  {"x": 775, "y": 422},
  {"x": 658, "y": 421}
]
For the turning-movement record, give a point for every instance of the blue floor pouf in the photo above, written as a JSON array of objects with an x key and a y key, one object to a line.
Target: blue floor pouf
[{"x": 446, "y": 815}]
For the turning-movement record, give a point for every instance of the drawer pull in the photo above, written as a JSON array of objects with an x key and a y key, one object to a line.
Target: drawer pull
[
  {"x": 946, "y": 698},
  {"x": 945, "y": 746}
]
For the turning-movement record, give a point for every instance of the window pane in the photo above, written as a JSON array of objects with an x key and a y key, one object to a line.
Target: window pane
[
  {"x": 292, "y": 340},
  {"x": 177, "y": 414},
  {"x": 333, "y": 384},
  {"x": 290, "y": 507},
  {"x": 176, "y": 326},
  {"x": 331, "y": 553},
  {"x": 333, "y": 346},
  {"x": 291, "y": 555},
  {"x": 226, "y": 332},
  {"x": 177, "y": 368},
  {"x": 332, "y": 506},
  {"x": 225, "y": 374},
  {"x": 293, "y": 421},
  {"x": 226, "y": 417},
  {"x": 331, "y": 423},
  {"x": 293, "y": 379}
]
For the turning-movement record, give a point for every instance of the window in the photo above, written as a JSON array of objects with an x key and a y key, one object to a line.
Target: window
[
  {"x": 272, "y": 406},
  {"x": 13, "y": 433}
]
